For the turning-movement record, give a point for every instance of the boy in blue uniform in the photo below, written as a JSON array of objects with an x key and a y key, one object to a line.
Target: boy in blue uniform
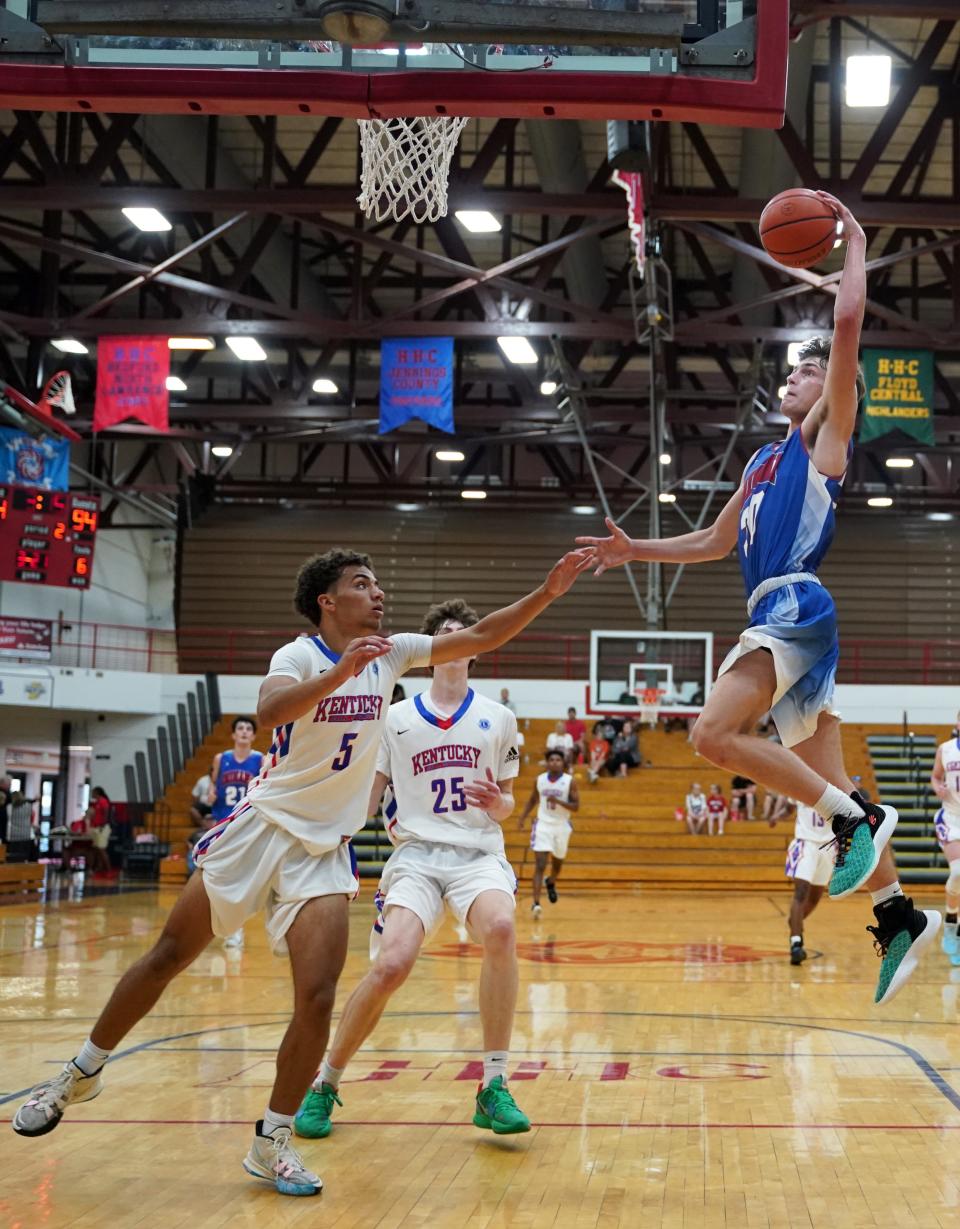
[
  {"x": 230, "y": 778},
  {"x": 781, "y": 520}
]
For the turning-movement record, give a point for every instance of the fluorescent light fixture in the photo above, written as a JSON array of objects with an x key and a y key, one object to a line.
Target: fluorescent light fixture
[
  {"x": 191, "y": 343},
  {"x": 665, "y": 458},
  {"x": 548, "y": 388},
  {"x": 584, "y": 509},
  {"x": 324, "y": 385},
  {"x": 449, "y": 454},
  {"x": 473, "y": 494},
  {"x": 518, "y": 350},
  {"x": 69, "y": 345},
  {"x": 667, "y": 497},
  {"x": 867, "y": 81},
  {"x": 408, "y": 507},
  {"x": 939, "y": 516},
  {"x": 175, "y": 385},
  {"x": 479, "y": 221},
  {"x": 222, "y": 450},
  {"x": 247, "y": 348},
  {"x": 879, "y": 501},
  {"x": 145, "y": 218},
  {"x": 899, "y": 462},
  {"x": 793, "y": 353},
  {"x": 782, "y": 391}
]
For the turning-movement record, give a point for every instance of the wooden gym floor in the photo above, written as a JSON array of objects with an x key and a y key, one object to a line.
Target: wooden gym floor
[{"x": 678, "y": 1072}]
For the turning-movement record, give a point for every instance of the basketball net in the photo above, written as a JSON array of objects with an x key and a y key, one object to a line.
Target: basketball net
[
  {"x": 648, "y": 701},
  {"x": 58, "y": 394},
  {"x": 405, "y": 166}
]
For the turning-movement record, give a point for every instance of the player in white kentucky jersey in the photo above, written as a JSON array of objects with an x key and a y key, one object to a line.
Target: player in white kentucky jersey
[
  {"x": 945, "y": 783},
  {"x": 285, "y": 848},
  {"x": 556, "y": 797},
  {"x": 809, "y": 865},
  {"x": 781, "y": 520},
  {"x": 450, "y": 756}
]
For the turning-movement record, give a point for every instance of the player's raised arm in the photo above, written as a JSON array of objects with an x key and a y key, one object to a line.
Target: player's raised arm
[
  {"x": 284, "y": 698},
  {"x": 500, "y": 626},
  {"x": 831, "y": 425}
]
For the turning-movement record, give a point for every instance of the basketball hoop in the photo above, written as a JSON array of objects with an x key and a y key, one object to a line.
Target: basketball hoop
[
  {"x": 648, "y": 702},
  {"x": 405, "y": 166},
  {"x": 58, "y": 393}
]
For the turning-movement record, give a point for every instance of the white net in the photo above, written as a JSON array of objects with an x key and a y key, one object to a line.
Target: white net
[
  {"x": 405, "y": 165},
  {"x": 58, "y": 392}
]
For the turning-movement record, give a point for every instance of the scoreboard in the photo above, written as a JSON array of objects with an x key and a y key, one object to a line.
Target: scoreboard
[{"x": 47, "y": 537}]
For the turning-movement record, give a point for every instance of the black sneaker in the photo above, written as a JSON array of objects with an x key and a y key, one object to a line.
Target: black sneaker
[
  {"x": 859, "y": 841},
  {"x": 551, "y": 891},
  {"x": 900, "y": 937},
  {"x": 798, "y": 953}
]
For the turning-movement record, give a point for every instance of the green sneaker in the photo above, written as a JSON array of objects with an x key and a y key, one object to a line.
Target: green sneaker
[
  {"x": 497, "y": 1110},
  {"x": 313, "y": 1116},
  {"x": 859, "y": 843},
  {"x": 901, "y": 935}
]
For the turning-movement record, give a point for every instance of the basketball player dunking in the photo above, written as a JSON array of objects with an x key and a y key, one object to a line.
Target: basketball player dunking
[
  {"x": 285, "y": 849},
  {"x": 781, "y": 520},
  {"x": 450, "y": 757}
]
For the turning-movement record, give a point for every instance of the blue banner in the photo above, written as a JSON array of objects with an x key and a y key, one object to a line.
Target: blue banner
[
  {"x": 416, "y": 381},
  {"x": 27, "y": 461}
]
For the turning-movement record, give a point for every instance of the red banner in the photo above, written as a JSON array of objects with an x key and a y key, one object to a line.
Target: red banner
[
  {"x": 31, "y": 638},
  {"x": 132, "y": 381}
]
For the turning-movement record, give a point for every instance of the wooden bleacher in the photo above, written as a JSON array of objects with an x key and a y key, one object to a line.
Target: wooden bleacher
[{"x": 19, "y": 881}]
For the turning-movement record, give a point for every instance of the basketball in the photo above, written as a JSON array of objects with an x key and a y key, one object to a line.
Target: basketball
[{"x": 797, "y": 228}]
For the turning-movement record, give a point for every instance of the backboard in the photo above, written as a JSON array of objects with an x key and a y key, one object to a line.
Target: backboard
[
  {"x": 630, "y": 669},
  {"x": 690, "y": 60}
]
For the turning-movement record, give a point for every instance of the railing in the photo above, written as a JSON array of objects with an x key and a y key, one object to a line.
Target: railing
[{"x": 533, "y": 654}]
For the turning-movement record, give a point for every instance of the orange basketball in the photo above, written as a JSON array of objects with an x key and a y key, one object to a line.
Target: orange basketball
[{"x": 798, "y": 228}]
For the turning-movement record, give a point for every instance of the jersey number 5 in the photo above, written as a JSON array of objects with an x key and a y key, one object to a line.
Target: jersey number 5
[{"x": 342, "y": 760}]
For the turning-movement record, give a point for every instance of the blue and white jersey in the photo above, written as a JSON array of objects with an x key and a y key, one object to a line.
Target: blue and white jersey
[
  {"x": 787, "y": 515},
  {"x": 950, "y": 762},
  {"x": 233, "y": 780}
]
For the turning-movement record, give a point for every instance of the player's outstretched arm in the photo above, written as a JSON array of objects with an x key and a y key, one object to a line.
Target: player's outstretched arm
[
  {"x": 831, "y": 425},
  {"x": 500, "y": 626},
  {"x": 283, "y": 698},
  {"x": 701, "y": 546},
  {"x": 938, "y": 778}
]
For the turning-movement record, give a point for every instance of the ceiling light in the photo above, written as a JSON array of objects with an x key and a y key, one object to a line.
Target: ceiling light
[
  {"x": 584, "y": 509},
  {"x": 879, "y": 501},
  {"x": 191, "y": 343},
  {"x": 899, "y": 462},
  {"x": 479, "y": 221},
  {"x": 667, "y": 497},
  {"x": 175, "y": 385},
  {"x": 222, "y": 450},
  {"x": 324, "y": 386},
  {"x": 518, "y": 350},
  {"x": 408, "y": 507},
  {"x": 146, "y": 218},
  {"x": 793, "y": 353},
  {"x": 939, "y": 516},
  {"x": 247, "y": 348},
  {"x": 448, "y": 454},
  {"x": 473, "y": 494},
  {"x": 665, "y": 458},
  {"x": 548, "y": 387},
  {"x": 867, "y": 81},
  {"x": 782, "y": 391},
  {"x": 69, "y": 345}
]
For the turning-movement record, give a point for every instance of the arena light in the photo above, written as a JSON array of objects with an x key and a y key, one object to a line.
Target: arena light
[
  {"x": 667, "y": 497},
  {"x": 782, "y": 391},
  {"x": 449, "y": 454},
  {"x": 408, "y": 507},
  {"x": 324, "y": 385},
  {"x": 585, "y": 509},
  {"x": 247, "y": 348},
  {"x": 145, "y": 218},
  {"x": 867, "y": 82},
  {"x": 191, "y": 343},
  {"x": 793, "y": 353},
  {"x": 518, "y": 350},
  {"x": 175, "y": 385},
  {"x": 473, "y": 494},
  {"x": 548, "y": 388},
  {"x": 69, "y": 345},
  {"x": 478, "y": 221},
  {"x": 899, "y": 462},
  {"x": 879, "y": 501},
  {"x": 939, "y": 516},
  {"x": 222, "y": 450},
  {"x": 665, "y": 458}
]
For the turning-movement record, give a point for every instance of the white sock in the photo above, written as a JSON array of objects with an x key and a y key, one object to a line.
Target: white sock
[
  {"x": 494, "y": 1064},
  {"x": 91, "y": 1058},
  {"x": 835, "y": 802},
  {"x": 796, "y": 939},
  {"x": 328, "y": 1075},
  {"x": 882, "y": 894},
  {"x": 272, "y": 1121}
]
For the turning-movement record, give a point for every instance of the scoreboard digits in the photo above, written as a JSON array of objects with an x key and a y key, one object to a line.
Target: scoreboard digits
[{"x": 47, "y": 537}]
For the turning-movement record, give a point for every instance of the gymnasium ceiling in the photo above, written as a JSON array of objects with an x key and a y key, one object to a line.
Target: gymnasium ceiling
[{"x": 294, "y": 264}]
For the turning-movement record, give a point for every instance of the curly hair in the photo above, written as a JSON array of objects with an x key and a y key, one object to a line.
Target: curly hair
[
  {"x": 818, "y": 349},
  {"x": 441, "y": 612},
  {"x": 319, "y": 574}
]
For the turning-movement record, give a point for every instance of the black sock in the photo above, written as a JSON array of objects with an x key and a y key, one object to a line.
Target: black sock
[{"x": 951, "y": 917}]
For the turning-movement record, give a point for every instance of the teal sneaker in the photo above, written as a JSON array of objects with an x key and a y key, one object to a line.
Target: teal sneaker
[
  {"x": 313, "y": 1116},
  {"x": 901, "y": 936},
  {"x": 497, "y": 1111},
  {"x": 948, "y": 940},
  {"x": 859, "y": 841}
]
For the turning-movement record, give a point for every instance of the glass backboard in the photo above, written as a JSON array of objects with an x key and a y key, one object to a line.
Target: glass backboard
[{"x": 630, "y": 670}]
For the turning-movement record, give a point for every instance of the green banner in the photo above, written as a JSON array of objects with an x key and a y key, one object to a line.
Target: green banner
[{"x": 899, "y": 394}]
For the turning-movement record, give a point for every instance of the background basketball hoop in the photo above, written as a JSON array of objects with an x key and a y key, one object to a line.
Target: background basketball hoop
[
  {"x": 58, "y": 394},
  {"x": 648, "y": 702}
]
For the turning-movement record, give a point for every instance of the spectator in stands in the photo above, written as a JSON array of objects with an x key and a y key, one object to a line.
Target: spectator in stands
[
  {"x": 695, "y": 809},
  {"x": 611, "y": 727},
  {"x": 598, "y": 750},
  {"x": 20, "y": 843},
  {"x": 578, "y": 732},
  {"x": 200, "y": 795},
  {"x": 624, "y": 751},
  {"x": 743, "y": 797},
  {"x": 506, "y": 701},
  {"x": 775, "y": 806},
  {"x": 98, "y": 827},
  {"x": 717, "y": 810},
  {"x": 560, "y": 740}
]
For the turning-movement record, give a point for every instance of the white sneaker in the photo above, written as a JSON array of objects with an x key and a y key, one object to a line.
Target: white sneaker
[
  {"x": 536, "y": 911},
  {"x": 48, "y": 1101},
  {"x": 234, "y": 940},
  {"x": 274, "y": 1159}
]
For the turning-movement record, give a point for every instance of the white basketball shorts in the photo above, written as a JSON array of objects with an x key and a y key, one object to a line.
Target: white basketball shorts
[
  {"x": 550, "y": 836},
  {"x": 947, "y": 825},
  {"x": 248, "y": 865},
  {"x": 807, "y": 861}
]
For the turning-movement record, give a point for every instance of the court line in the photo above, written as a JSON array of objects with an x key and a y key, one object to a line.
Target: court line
[
  {"x": 560, "y": 1053},
  {"x": 568, "y": 1126}
]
